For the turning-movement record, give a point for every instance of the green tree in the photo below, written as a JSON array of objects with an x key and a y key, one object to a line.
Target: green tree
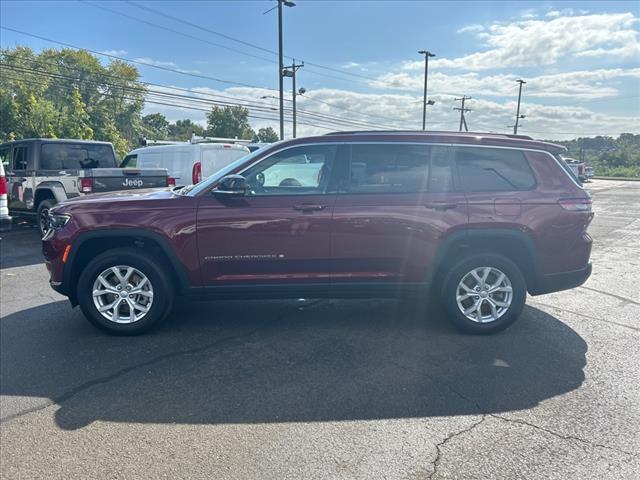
[
  {"x": 229, "y": 122},
  {"x": 267, "y": 135},
  {"x": 69, "y": 94},
  {"x": 155, "y": 126},
  {"x": 183, "y": 129}
]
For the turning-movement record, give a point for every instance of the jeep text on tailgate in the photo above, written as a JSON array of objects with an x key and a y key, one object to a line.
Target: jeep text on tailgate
[{"x": 42, "y": 172}]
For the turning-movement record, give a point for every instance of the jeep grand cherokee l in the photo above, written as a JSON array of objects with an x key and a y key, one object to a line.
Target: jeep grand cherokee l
[{"x": 478, "y": 218}]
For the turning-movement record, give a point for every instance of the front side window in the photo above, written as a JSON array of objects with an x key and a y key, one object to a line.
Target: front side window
[
  {"x": 493, "y": 169},
  {"x": 61, "y": 156},
  {"x": 300, "y": 170},
  {"x": 20, "y": 158},
  {"x": 130, "y": 161}
]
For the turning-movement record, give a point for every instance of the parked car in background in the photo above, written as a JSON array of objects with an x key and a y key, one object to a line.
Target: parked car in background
[
  {"x": 187, "y": 162},
  {"x": 5, "y": 218},
  {"x": 577, "y": 167},
  {"x": 42, "y": 172},
  {"x": 478, "y": 219},
  {"x": 588, "y": 172}
]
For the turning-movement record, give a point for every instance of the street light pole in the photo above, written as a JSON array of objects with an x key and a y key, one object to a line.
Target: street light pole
[
  {"x": 426, "y": 54},
  {"x": 518, "y": 117}
]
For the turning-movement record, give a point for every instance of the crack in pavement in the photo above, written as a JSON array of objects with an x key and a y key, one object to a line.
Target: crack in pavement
[
  {"x": 191, "y": 351},
  {"x": 451, "y": 436},
  {"x": 561, "y": 436}
]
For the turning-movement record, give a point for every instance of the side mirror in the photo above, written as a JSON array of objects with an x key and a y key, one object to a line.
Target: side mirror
[{"x": 231, "y": 186}]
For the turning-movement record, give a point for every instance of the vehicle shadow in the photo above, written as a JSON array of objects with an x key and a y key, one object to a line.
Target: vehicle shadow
[
  {"x": 283, "y": 361},
  {"x": 21, "y": 245}
]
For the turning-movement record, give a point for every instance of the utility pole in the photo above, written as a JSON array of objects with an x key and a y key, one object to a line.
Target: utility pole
[
  {"x": 518, "y": 117},
  {"x": 426, "y": 54},
  {"x": 291, "y": 72},
  {"x": 462, "y": 110},
  {"x": 286, "y": 3}
]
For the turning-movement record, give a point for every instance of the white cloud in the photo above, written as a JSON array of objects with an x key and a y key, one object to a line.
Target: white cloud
[
  {"x": 584, "y": 84},
  {"x": 351, "y": 65},
  {"x": 546, "y": 42},
  {"x": 475, "y": 28},
  {"x": 115, "y": 53},
  {"x": 403, "y": 111}
]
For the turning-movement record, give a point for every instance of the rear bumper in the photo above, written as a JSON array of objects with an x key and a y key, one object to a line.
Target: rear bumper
[
  {"x": 561, "y": 281},
  {"x": 6, "y": 223}
]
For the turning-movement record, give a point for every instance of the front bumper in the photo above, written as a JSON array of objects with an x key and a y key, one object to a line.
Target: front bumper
[{"x": 561, "y": 281}]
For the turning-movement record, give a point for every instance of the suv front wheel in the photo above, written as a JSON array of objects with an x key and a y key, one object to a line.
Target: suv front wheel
[
  {"x": 484, "y": 293},
  {"x": 124, "y": 291}
]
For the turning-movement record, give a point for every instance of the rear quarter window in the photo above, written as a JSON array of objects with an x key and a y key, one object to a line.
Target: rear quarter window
[
  {"x": 493, "y": 169},
  {"x": 63, "y": 156}
]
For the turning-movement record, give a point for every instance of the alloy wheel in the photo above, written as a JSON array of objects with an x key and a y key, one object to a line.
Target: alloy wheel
[
  {"x": 484, "y": 294},
  {"x": 122, "y": 294}
]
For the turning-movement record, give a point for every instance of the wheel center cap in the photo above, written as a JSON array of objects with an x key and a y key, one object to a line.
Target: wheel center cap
[
  {"x": 124, "y": 294},
  {"x": 484, "y": 294}
]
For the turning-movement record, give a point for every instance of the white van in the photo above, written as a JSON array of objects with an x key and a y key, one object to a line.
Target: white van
[{"x": 187, "y": 163}]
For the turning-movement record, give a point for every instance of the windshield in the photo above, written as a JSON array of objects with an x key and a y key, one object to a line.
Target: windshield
[{"x": 193, "y": 190}]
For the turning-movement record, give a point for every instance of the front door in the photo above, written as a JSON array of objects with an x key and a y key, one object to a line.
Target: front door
[
  {"x": 395, "y": 205},
  {"x": 279, "y": 233}
]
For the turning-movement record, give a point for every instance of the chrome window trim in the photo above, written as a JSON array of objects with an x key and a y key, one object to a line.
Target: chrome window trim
[{"x": 386, "y": 142}]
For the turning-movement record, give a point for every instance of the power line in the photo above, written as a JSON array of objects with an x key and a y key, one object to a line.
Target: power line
[
  {"x": 159, "y": 67},
  {"x": 319, "y": 115},
  {"x": 147, "y": 93}
]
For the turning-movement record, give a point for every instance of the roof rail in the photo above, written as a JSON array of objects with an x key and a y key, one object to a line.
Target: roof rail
[
  {"x": 196, "y": 139},
  {"x": 429, "y": 132}
]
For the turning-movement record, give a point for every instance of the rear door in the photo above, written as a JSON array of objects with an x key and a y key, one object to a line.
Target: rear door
[
  {"x": 395, "y": 204},
  {"x": 215, "y": 157}
]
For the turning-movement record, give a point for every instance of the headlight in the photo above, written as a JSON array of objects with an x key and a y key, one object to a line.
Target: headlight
[{"x": 57, "y": 221}]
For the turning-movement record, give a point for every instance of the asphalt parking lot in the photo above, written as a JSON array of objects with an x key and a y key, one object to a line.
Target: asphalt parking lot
[{"x": 330, "y": 388}]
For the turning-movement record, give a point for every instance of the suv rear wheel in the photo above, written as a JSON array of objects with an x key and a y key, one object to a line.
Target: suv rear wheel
[
  {"x": 125, "y": 291},
  {"x": 484, "y": 293}
]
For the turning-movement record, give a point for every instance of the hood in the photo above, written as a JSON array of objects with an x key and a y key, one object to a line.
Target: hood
[{"x": 131, "y": 199}]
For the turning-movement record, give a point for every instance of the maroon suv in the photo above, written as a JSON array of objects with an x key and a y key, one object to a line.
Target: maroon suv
[{"x": 481, "y": 218}]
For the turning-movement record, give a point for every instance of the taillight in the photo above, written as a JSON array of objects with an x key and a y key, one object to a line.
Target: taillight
[
  {"x": 582, "y": 204},
  {"x": 3, "y": 185},
  {"x": 171, "y": 182},
  {"x": 86, "y": 185},
  {"x": 196, "y": 173}
]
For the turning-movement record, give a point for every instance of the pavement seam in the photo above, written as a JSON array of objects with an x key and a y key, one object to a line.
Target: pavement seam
[
  {"x": 585, "y": 316},
  {"x": 624, "y": 299},
  {"x": 109, "y": 378}
]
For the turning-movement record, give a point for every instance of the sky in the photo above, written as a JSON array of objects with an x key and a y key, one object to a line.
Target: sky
[{"x": 580, "y": 60}]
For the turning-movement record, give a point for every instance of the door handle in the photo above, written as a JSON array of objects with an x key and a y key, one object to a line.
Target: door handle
[
  {"x": 308, "y": 207},
  {"x": 441, "y": 206}
]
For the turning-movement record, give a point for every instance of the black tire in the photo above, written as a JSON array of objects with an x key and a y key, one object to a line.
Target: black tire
[
  {"x": 163, "y": 292},
  {"x": 456, "y": 274},
  {"x": 43, "y": 211}
]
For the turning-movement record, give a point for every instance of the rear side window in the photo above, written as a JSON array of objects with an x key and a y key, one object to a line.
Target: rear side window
[
  {"x": 492, "y": 169},
  {"x": 61, "y": 156},
  {"x": 398, "y": 168},
  {"x": 565, "y": 166},
  {"x": 20, "y": 158},
  {"x": 4, "y": 156}
]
